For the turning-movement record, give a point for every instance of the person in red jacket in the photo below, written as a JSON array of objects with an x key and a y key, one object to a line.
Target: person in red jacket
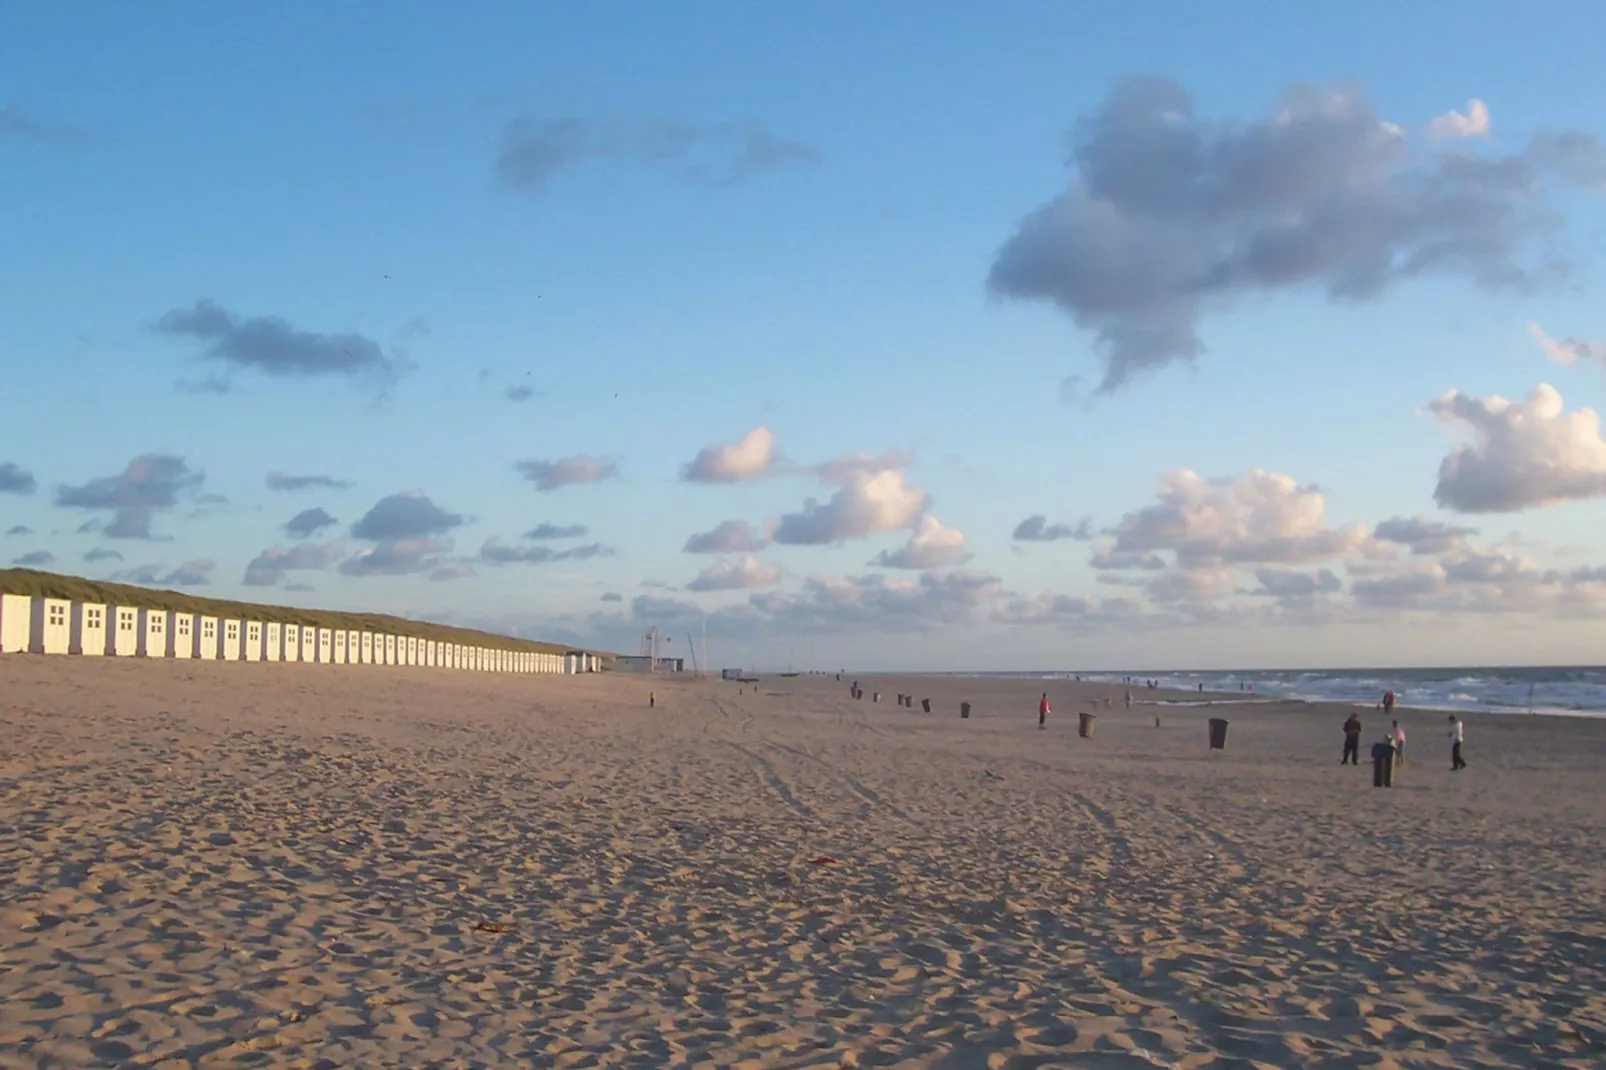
[{"x": 1042, "y": 711}]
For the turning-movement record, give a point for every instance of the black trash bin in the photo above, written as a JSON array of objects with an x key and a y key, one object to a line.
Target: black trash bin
[
  {"x": 1382, "y": 765},
  {"x": 925, "y": 704},
  {"x": 964, "y": 710},
  {"x": 1218, "y": 733}
]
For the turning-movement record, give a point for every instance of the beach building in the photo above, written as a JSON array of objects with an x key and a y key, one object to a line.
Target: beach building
[
  {"x": 252, "y": 648},
  {"x": 153, "y": 633},
  {"x": 206, "y": 648},
  {"x": 412, "y": 650},
  {"x": 292, "y": 642},
  {"x": 639, "y": 663},
  {"x": 390, "y": 651},
  {"x": 181, "y": 635},
  {"x": 367, "y": 648},
  {"x": 52, "y": 626},
  {"x": 229, "y": 649},
  {"x": 326, "y": 646},
  {"x": 339, "y": 651},
  {"x": 88, "y": 629},
  {"x": 272, "y": 641},
  {"x": 16, "y": 623},
  {"x": 124, "y": 642},
  {"x": 353, "y": 647}
]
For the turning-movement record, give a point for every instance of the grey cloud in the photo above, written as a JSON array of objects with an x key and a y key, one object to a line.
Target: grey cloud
[
  {"x": 741, "y": 574},
  {"x": 519, "y": 393},
  {"x": 1109, "y": 557},
  {"x": 151, "y": 483},
  {"x": 729, "y": 537},
  {"x": 404, "y": 516},
  {"x": 19, "y": 123},
  {"x": 196, "y": 573},
  {"x": 19, "y": 529},
  {"x": 879, "y": 603},
  {"x": 496, "y": 552},
  {"x": 399, "y": 557},
  {"x": 1169, "y": 216},
  {"x": 567, "y": 471},
  {"x": 1072, "y": 612},
  {"x": 101, "y": 553},
  {"x": 272, "y": 346},
  {"x": 13, "y": 480},
  {"x": 280, "y": 481},
  {"x": 1420, "y": 535},
  {"x": 270, "y": 566},
  {"x": 299, "y": 587},
  {"x": 37, "y": 557},
  {"x": 447, "y": 573},
  {"x": 613, "y": 596},
  {"x": 309, "y": 522},
  {"x": 544, "y": 531},
  {"x": 1292, "y": 583},
  {"x": 88, "y": 527},
  {"x": 533, "y": 152},
  {"x": 1038, "y": 529}
]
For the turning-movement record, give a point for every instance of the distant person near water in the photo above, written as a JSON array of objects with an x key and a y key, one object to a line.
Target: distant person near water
[
  {"x": 1388, "y": 704},
  {"x": 1352, "y": 741},
  {"x": 1042, "y": 711},
  {"x": 1458, "y": 736}
]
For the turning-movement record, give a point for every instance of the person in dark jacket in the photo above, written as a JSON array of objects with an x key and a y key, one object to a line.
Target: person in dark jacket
[{"x": 1352, "y": 741}]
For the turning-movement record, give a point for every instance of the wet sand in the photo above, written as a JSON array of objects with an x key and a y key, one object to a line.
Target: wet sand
[{"x": 212, "y": 864}]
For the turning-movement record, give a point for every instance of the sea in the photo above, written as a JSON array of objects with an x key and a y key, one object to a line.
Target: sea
[{"x": 1576, "y": 690}]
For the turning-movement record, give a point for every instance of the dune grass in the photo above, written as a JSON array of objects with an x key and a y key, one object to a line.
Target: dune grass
[{"x": 29, "y": 581}]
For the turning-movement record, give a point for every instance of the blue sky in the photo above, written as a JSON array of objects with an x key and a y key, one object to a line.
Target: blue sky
[{"x": 341, "y": 241}]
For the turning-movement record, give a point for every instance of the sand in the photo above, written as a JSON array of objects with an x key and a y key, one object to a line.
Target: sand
[{"x": 250, "y": 865}]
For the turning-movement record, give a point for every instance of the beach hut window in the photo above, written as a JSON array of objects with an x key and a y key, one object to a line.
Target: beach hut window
[{"x": 58, "y": 615}]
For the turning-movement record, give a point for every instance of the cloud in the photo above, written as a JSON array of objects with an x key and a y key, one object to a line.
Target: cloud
[
  {"x": 35, "y": 558},
  {"x": 741, "y": 574},
  {"x": 1523, "y": 454},
  {"x": 269, "y": 567},
  {"x": 19, "y": 529},
  {"x": 879, "y": 603},
  {"x": 1453, "y": 124},
  {"x": 730, "y": 537},
  {"x": 567, "y": 471},
  {"x": 1107, "y": 558},
  {"x": 17, "y": 122},
  {"x": 102, "y": 553},
  {"x": 496, "y": 552},
  {"x": 519, "y": 393},
  {"x": 748, "y": 457},
  {"x": 533, "y": 152},
  {"x": 933, "y": 545},
  {"x": 196, "y": 573},
  {"x": 1277, "y": 581},
  {"x": 613, "y": 596},
  {"x": 1263, "y": 518},
  {"x": 1567, "y": 351},
  {"x": 398, "y": 557},
  {"x": 1068, "y": 611},
  {"x": 1038, "y": 529},
  {"x": 13, "y": 480},
  {"x": 280, "y": 481},
  {"x": 1169, "y": 216},
  {"x": 448, "y": 573},
  {"x": 272, "y": 346},
  {"x": 556, "y": 531},
  {"x": 152, "y": 483},
  {"x": 1474, "y": 579},
  {"x": 309, "y": 522},
  {"x": 402, "y": 516},
  {"x": 869, "y": 502},
  {"x": 1421, "y": 535},
  {"x": 842, "y": 471}
]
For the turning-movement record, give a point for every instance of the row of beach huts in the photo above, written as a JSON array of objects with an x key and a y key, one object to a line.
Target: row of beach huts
[{"x": 31, "y": 624}]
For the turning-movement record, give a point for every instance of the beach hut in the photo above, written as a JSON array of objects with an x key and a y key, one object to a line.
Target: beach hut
[
  {"x": 412, "y": 650},
  {"x": 229, "y": 649},
  {"x": 207, "y": 648},
  {"x": 451, "y": 655},
  {"x": 272, "y": 641},
  {"x": 124, "y": 639},
  {"x": 365, "y": 647},
  {"x": 252, "y": 648},
  {"x": 181, "y": 635},
  {"x": 431, "y": 653},
  {"x": 390, "y": 650},
  {"x": 310, "y": 643},
  {"x": 292, "y": 642},
  {"x": 152, "y": 634},
  {"x": 52, "y": 626},
  {"x": 88, "y": 629},
  {"x": 353, "y": 647},
  {"x": 16, "y": 623},
  {"x": 340, "y": 646}
]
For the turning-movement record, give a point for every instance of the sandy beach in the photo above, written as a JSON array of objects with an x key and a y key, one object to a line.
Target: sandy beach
[{"x": 211, "y": 864}]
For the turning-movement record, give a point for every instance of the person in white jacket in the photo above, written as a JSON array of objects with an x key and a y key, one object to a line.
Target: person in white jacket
[{"x": 1458, "y": 736}]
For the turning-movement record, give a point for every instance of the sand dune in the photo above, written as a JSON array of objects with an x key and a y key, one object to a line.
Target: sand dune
[{"x": 243, "y": 865}]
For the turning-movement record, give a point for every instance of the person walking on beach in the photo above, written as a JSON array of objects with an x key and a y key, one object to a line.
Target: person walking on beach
[
  {"x": 1458, "y": 736},
  {"x": 1352, "y": 741},
  {"x": 1388, "y": 704},
  {"x": 1397, "y": 734},
  {"x": 1042, "y": 711}
]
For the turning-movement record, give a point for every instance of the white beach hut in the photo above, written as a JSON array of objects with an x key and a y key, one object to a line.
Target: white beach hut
[
  {"x": 353, "y": 647},
  {"x": 181, "y": 635},
  {"x": 206, "y": 648},
  {"x": 410, "y": 656},
  {"x": 252, "y": 648},
  {"x": 272, "y": 641},
  {"x": 292, "y": 642},
  {"x": 326, "y": 646},
  {"x": 16, "y": 623},
  {"x": 390, "y": 650},
  {"x": 52, "y": 626},
  {"x": 153, "y": 633},
  {"x": 340, "y": 646},
  {"x": 124, "y": 639},
  {"x": 429, "y": 653},
  {"x": 229, "y": 649},
  {"x": 309, "y": 643},
  {"x": 88, "y": 629}
]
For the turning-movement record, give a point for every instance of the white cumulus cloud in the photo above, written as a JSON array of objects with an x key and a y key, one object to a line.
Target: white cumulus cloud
[
  {"x": 741, "y": 574},
  {"x": 1474, "y": 122},
  {"x": 933, "y": 545},
  {"x": 748, "y": 457},
  {"x": 1567, "y": 351},
  {"x": 869, "y": 502},
  {"x": 1522, "y": 454}
]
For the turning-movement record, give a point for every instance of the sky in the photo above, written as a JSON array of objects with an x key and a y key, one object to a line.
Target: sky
[{"x": 902, "y": 336}]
